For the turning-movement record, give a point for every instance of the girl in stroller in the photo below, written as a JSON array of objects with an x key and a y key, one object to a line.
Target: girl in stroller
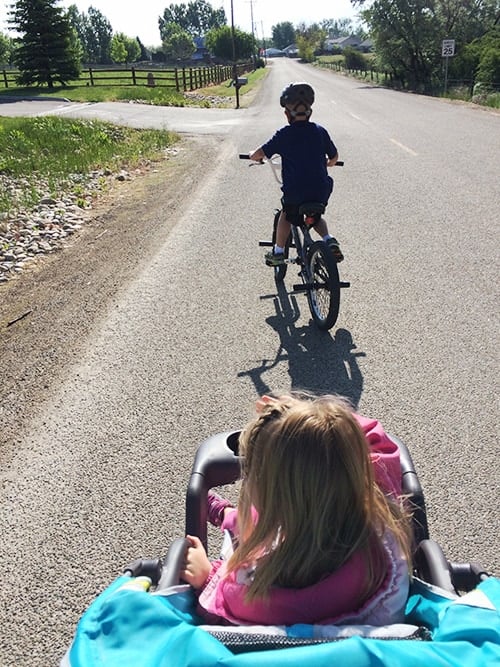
[{"x": 322, "y": 536}]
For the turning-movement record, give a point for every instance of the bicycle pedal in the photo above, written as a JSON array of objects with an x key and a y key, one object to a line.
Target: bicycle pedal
[{"x": 268, "y": 244}]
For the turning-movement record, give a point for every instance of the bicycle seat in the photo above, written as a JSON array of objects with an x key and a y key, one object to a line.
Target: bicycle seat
[{"x": 311, "y": 207}]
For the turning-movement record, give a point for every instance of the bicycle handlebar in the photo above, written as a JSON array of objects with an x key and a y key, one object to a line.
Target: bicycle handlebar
[{"x": 246, "y": 156}]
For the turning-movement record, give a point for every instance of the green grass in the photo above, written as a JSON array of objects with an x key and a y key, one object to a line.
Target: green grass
[
  {"x": 330, "y": 59},
  {"x": 102, "y": 93},
  {"x": 51, "y": 151}
]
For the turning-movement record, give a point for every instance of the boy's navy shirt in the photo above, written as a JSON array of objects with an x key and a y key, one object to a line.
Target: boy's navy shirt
[{"x": 303, "y": 147}]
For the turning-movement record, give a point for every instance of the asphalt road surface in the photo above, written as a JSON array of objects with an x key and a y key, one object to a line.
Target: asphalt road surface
[{"x": 99, "y": 477}]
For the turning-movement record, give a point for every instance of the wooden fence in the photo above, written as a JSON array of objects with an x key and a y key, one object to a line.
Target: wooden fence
[{"x": 180, "y": 78}]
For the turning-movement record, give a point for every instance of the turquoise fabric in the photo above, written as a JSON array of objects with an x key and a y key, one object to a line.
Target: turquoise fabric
[{"x": 132, "y": 628}]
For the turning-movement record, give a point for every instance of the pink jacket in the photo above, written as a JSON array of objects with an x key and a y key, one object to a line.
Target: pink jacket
[{"x": 334, "y": 599}]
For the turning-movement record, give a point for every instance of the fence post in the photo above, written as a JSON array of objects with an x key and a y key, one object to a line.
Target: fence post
[
  {"x": 5, "y": 79},
  {"x": 91, "y": 77},
  {"x": 134, "y": 82}
]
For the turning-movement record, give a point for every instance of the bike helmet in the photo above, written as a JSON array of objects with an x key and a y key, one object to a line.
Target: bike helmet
[{"x": 297, "y": 98}]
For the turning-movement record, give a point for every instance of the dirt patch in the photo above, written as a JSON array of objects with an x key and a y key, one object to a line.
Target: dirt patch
[{"x": 47, "y": 313}]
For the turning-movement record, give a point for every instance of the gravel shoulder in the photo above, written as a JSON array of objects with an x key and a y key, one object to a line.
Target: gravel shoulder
[{"x": 48, "y": 312}]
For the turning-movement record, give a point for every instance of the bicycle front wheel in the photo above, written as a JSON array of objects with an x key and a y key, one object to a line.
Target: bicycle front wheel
[{"x": 323, "y": 291}]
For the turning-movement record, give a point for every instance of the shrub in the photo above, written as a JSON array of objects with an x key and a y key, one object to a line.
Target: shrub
[{"x": 354, "y": 59}]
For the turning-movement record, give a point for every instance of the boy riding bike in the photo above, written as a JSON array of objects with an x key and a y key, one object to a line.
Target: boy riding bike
[{"x": 306, "y": 151}]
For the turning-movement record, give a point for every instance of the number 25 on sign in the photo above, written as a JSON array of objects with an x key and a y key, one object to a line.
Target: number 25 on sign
[{"x": 448, "y": 48}]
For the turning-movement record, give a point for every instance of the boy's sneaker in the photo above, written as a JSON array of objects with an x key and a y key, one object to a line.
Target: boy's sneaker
[
  {"x": 333, "y": 244},
  {"x": 216, "y": 506},
  {"x": 273, "y": 259}
]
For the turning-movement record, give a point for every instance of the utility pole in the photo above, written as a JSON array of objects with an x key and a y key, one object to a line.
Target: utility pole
[
  {"x": 251, "y": 18},
  {"x": 253, "y": 31},
  {"x": 235, "y": 67},
  {"x": 263, "y": 41}
]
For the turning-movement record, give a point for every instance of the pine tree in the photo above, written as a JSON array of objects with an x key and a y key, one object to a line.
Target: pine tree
[{"x": 47, "y": 51}]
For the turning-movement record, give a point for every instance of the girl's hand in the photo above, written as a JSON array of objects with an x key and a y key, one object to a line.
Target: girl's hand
[
  {"x": 197, "y": 566},
  {"x": 262, "y": 402}
]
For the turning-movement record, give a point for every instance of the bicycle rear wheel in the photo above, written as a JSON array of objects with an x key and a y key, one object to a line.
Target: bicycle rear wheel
[
  {"x": 323, "y": 294},
  {"x": 280, "y": 270}
]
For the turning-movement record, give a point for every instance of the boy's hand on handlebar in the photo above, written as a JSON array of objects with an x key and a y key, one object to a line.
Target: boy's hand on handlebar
[
  {"x": 248, "y": 156},
  {"x": 257, "y": 155}
]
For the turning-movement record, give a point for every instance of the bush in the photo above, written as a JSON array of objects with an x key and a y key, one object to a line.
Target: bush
[
  {"x": 354, "y": 59},
  {"x": 488, "y": 71}
]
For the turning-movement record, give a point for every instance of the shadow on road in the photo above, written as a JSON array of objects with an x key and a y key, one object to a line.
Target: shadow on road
[{"x": 318, "y": 361}]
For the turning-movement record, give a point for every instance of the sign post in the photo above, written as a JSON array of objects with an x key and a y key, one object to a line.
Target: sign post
[{"x": 447, "y": 50}]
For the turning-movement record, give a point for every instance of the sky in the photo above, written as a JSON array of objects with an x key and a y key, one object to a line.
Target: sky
[{"x": 140, "y": 19}]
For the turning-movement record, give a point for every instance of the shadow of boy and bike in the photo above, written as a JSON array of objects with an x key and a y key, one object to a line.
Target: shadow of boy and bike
[{"x": 317, "y": 361}]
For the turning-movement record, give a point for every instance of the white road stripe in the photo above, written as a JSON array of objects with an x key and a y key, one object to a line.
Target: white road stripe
[{"x": 403, "y": 147}]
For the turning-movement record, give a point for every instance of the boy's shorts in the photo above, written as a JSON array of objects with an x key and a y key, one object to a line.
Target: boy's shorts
[{"x": 293, "y": 215}]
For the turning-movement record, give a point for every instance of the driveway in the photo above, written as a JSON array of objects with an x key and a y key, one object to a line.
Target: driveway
[{"x": 185, "y": 120}]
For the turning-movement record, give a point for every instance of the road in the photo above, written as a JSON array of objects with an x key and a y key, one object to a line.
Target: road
[{"x": 99, "y": 471}]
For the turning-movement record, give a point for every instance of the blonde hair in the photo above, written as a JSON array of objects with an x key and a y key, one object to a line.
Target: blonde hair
[{"x": 307, "y": 472}]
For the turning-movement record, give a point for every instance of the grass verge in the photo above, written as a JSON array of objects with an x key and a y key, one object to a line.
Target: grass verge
[{"x": 47, "y": 153}]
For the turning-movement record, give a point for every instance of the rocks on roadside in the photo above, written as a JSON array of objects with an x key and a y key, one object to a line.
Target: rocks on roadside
[
  {"x": 209, "y": 100},
  {"x": 30, "y": 231}
]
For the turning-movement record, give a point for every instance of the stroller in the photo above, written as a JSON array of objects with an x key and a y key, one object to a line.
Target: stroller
[{"x": 147, "y": 617}]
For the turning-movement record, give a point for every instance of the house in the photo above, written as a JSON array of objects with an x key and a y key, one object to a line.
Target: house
[
  {"x": 366, "y": 46},
  {"x": 201, "y": 53},
  {"x": 339, "y": 43},
  {"x": 274, "y": 53},
  {"x": 291, "y": 51}
]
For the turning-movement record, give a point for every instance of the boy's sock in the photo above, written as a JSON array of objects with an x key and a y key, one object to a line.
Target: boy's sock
[
  {"x": 327, "y": 237},
  {"x": 278, "y": 250}
]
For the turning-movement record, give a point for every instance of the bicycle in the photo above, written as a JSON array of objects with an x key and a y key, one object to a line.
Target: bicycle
[{"x": 318, "y": 269}]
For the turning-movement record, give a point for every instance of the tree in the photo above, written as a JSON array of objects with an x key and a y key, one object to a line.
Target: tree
[
  {"x": 309, "y": 40},
  {"x": 338, "y": 27},
  {"x": 481, "y": 58},
  {"x": 145, "y": 54},
  {"x": 196, "y": 18},
  {"x": 117, "y": 51},
  {"x": 124, "y": 49},
  {"x": 177, "y": 44},
  {"x": 219, "y": 41},
  {"x": 47, "y": 50},
  {"x": 283, "y": 34},
  {"x": 408, "y": 33},
  {"x": 95, "y": 33},
  {"x": 6, "y": 48}
]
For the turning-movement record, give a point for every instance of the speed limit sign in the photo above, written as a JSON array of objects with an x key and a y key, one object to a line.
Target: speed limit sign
[{"x": 448, "y": 48}]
